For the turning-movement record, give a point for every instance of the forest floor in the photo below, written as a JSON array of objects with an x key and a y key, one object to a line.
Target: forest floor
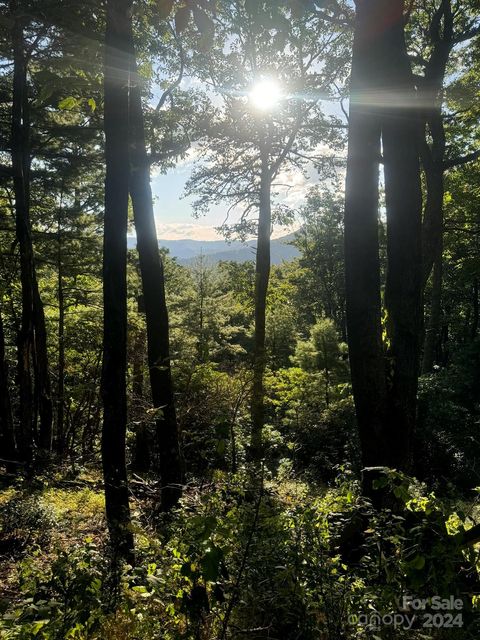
[{"x": 283, "y": 564}]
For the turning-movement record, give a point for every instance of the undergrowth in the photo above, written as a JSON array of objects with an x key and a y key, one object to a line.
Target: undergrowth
[{"x": 282, "y": 563}]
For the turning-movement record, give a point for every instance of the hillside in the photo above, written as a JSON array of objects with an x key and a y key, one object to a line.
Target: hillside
[{"x": 186, "y": 251}]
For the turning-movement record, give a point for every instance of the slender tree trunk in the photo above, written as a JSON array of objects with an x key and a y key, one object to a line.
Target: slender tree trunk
[
  {"x": 60, "y": 439},
  {"x": 7, "y": 437},
  {"x": 432, "y": 228},
  {"x": 474, "y": 329},
  {"x": 432, "y": 240},
  {"x": 362, "y": 264},
  {"x": 141, "y": 457},
  {"x": 42, "y": 373},
  {"x": 156, "y": 314},
  {"x": 21, "y": 165},
  {"x": 432, "y": 333},
  {"x": 433, "y": 156},
  {"x": 33, "y": 372},
  {"x": 116, "y": 89},
  {"x": 262, "y": 275},
  {"x": 403, "y": 291}
]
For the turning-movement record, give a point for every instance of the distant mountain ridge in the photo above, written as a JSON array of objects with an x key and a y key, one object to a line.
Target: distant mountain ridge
[{"x": 186, "y": 251}]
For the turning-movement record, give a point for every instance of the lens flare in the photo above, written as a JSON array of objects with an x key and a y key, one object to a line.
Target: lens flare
[{"x": 265, "y": 95}]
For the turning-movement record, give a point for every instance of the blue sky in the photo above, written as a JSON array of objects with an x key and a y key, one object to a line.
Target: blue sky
[{"x": 173, "y": 212}]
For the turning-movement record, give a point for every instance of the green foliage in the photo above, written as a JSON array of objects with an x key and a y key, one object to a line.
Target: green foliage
[
  {"x": 447, "y": 448},
  {"x": 315, "y": 436},
  {"x": 24, "y": 522},
  {"x": 295, "y": 562},
  {"x": 322, "y": 352},
  {"x": 63, "y": 600},
  {"x": 212, "y": 415}
]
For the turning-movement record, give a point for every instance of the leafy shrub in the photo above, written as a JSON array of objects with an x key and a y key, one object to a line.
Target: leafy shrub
[
  {"x": 317, "y": 437},
  {"x": 63, "y": 600},
  {"x": 24, "y": 521},
  {"x": 447, "y": 446}
]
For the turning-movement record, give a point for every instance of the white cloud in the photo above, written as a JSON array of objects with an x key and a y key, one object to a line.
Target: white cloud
[
  {"x": 292, "y": 186},
  {"x": 195, "y": 231},
  {"x": 186, "y": 230}
]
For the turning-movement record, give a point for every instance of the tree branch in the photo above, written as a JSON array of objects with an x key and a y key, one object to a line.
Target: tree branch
[{"x": 449, "y": 163}]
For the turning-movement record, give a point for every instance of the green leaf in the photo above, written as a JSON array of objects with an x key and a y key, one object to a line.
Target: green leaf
[
  {"x": 38, "y": 625},
  {"x": 210, "y": 564},
  {"x": 417, "y": 563},
  {"x": 92, "y": 104},
  {"x": 68, "y": 104}
]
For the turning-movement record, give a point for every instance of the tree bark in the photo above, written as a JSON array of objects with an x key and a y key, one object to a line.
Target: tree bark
[
  {"x": 262, "y": 275},
  {"x": 156, "y": 314},
  {"x": 20, "y": 166},
  {"x": 403, "y": 195},
  {"x": 142, "y": 450},
  {"x": 42, "y": 373},
  {"x": 116, "y": 92},
  {"x": 474, "y": 329},
  {"x": 432, "y": 333},
  {"x": 383, "y": 108},
  {"x": 362, "y": 264},
  {"x": 60, "y": 426},
  {"x": 433, "y": 161},
  {"x": 33, "y": 373},
  {"x": 7, "y": 437}
]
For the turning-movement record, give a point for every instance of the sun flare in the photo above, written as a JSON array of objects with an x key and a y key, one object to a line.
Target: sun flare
[{"x": 265, "y": 95}]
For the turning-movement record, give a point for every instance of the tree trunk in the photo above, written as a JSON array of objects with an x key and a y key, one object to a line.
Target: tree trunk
[
  {"x": 33, "y": 373},
  {"x": 382, "y": 105},
  {"x": 116, "y": 88},
  {"x": 60, "y": 435},
  {"x": 141, "y": 454},
  {"x": 362, "y": 264},
  {"x": 7, "y": 437},
  {"x": 403, "y": 290},
  {"x": 156, "y": 315},
  {"x": 433, "y": 156},
  {"x": 20, "y": 166},
  {"x": 42, "y": 373},
  {"x": 432, "y": 333},
  {"x": 474, "y": 329},
  {"x": 262, "y": 275}
]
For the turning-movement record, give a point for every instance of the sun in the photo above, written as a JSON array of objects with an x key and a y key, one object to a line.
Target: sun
[{"x": 265, "y": 95}]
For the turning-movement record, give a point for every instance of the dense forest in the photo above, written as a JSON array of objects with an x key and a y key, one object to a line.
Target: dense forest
[{"x": 240, "y": 449}]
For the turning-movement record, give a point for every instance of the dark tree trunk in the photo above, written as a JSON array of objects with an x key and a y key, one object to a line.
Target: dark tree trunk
[
  {"x": 362, "y": 264},
  {"x": 7, "y": 437},
  {"x": 382, "y": 106},
  {"x": 42, "y": 373},
  {"x": 403, "y": 290},
  {"x": 432, "y": 334},
  {"x": 432, "y": 228},
  {"x": 142, "y": 450},
  {"x": 156, "y": 315},
  {"x": 116, "y": 87},
  {"x": 433, "y": 157},
  {"x": 474, "y": 329},
  {"x": 33, "y": 373},
  {"x": 21, "y": 165},
  {"x": 60, "y": 425},
  {"x": 262, "y": 275},
  {"x": 432, "y": 237}
]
